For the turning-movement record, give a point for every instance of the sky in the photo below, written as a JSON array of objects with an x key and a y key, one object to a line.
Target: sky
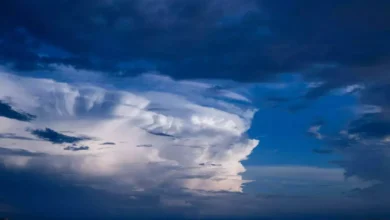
[{"x": 195, "y": 109}]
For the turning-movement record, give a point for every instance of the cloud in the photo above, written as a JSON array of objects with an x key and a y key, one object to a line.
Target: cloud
[
  {"x": 363, "y": 144},
  {"x": 367, "y": 160},
  {"x": 216, "y": 126},
  {"x": 161, "y": 134},
  {"x": 157, "y": 178},
  {"x": 314, "y": 130},
  {"x": 108, "y": 143},
  {"x": 350, "y": 89},
  {"x": 302, "y": 183},
  {"x": 16, "y": 137},
  {"x": 44, "y": 189},
  {"x": 7, "y": 111},
  {"x": 75, "y": 148},
  {"x": 299, "y": 173},
  {"x": 198, "y": 39},
  {"x": 144, "y": 145},
  {"x": 370, "y": 126},
  {"x": 166, "y": 179},
  {"x": 19, "y": 152},
  {"x": 367, "y": 109},
  {"x": 342, "y": 45},
  {"x": 54, "y": 137}
]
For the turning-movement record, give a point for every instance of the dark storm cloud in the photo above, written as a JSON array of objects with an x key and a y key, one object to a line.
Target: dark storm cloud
[
  {"x": 7, "y": 111},
  {"x": 371, "y": 126},
  {"x": 35, "y": 195},
  {"x": 241, "y": 40},
  {"x": 39, "y": 199},
  {"x": 364, "y": 144},
  {"x": 374, "y": 125},
  {"x": 378, "y": 95},
  {"x": 55, "y": 137},
  {"x": 369, "y": 162},
  {"x": 20, "y": 49},
  {"x": 366, "y": 154},
  {"x": 366, "y": 149}
]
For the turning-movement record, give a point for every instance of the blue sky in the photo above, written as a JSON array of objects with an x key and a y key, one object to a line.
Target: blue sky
[
  {"x": 284, "y": 137},
  {"x": 196, "y": 109}
]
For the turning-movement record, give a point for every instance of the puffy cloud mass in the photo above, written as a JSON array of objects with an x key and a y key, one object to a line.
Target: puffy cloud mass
[{"x": 195, "y": 142}]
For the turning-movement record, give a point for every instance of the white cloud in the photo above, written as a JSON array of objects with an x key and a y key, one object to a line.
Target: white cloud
[
  {"x": 367, "y": 109},
  {"x": 350, "y": 89},
  {"x": 199, "y": 128},
  {"x": 315, "y": 131},
  {"x": 314, "y": 84}
]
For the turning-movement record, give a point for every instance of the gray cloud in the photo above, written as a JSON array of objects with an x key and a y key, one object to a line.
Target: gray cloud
[
  {"x": 50, "y": 135},
  {"x": 44, "y": 188},
  {"x": 108, "y": 143},
  {"x": 144, "y": 145},
  {"x": 7, "y": 111},
  {"x": 19, "y": 152},
  {"x": 15, "y": 137},
  {"x": 199, "y": 38},
  {"x": 76, "y": 148},
  {"x": 161, "y": 134}
]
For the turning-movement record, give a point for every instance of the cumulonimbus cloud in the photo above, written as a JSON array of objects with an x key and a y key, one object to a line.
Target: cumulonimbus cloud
[{"x": 198, "y": 129}]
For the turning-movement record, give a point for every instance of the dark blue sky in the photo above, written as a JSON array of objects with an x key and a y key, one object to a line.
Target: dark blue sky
[{"x": 195, "y": 109}]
